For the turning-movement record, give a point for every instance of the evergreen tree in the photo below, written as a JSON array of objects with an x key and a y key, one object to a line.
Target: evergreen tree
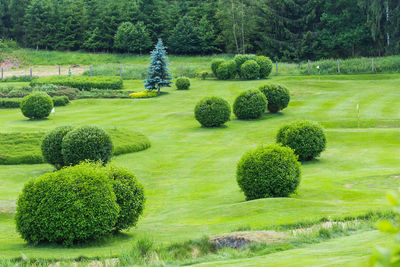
[
  {"x": 17, "y": 9},
  {"x": 206, "y": 34},
  {"x": 185, "y": 38},
  {"x": 141, "y": 38},
  {"x": 124, "y": 37},
  {"x": 158, "y": 71},
  {"x": 5, "y": 20}
]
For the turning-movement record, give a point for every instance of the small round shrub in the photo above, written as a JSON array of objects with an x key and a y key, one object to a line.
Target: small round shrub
[
  {"x": 212, "y": 111},
  {"x": 278, "y": 97},
  {"x": 182, "y": 83},
  {"x": 306, "y": 138},
  {"x": 215, "y": 64},
  {"x": 226, "y": 70},
  {"x": 240, "y": 59},
  {"x": 250, "y": 104},
  {"x": 130, "y": 196},
  {"x": 86, "y": 143},
  {"x": 268, "y": 171},
  {"x": 250, "y": 70},
  {"x": 37, "y": 105},
  {"x": 265, "y": 66},
  {"x": 51, "y": 146},
  {"x": 75, "y": 204}
]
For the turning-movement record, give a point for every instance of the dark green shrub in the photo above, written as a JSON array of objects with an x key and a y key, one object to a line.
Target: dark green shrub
[
  {"x": 306, "y": 138},
  {"x": 75, "y": 204},
  {"x": 37, "y": 105},
  {"x": 226, "y": 70},
  {"x": 212, "y": 111},
  {"x": 10, "y": 102},
  {"x": 278, "y": 97},
  {"x": 250, "y": 104},
  {"x": 268, "y": 171},
  {"x": 182, "y": 83},
  {"x": 265, "y": 66},
  {"x": 215, "y": 64},
  {"x": 51, "y": 146},
  {"x": 81, "y": 82},
  {"x": 60, "y": 101},
  {"x": 130, "y": 196},
  {"x": 240, "y": 59},
  {"x": 71, "y": 93},
  {"x": 250, "y": 70},
  {"x": 86, "y": 143}
]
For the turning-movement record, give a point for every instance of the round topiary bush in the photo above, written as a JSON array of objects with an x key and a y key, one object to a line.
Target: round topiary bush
[
  {"x": 215, "y": 64},
  {"x": 278, "y": 97},
  {"x": 51, "y": 146},
  {"x": 265, "y": 66},
  {"x": 268, "y": 171},
  {"x": 250, "y": 70},
  {"x": 86, "y": 143},
  {"x": 130, "y": 196},
  {"x": 240, "y": 59},
  {"x": 250, "y": 104},
  {"x": 182, "y": 83},
  {"x": 37, "y": 105},
  {"x": 75, "y": 204},
  {"x": 212, "y": 111},
  {"x": 226, "y": 70},
  {"x": 306, "y": 138}
]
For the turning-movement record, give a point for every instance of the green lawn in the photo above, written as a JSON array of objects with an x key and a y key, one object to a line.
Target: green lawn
[{"x": 189, "y": 171}]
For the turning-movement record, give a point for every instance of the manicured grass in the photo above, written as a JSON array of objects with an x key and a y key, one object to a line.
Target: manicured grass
[
  {"x": 189, "y": 172},
  {"x": 24, "y": 147}
]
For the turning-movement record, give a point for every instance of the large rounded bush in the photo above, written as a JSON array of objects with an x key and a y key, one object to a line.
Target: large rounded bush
[
  {"x": 215, "y": 64},
  {"x": 265, "y": 66},
  {"x": 130, "y": 196},
  {"x": 268, "y": 171},
  {"x": 306, "y": 138},
  {"x": 212, "y": 111},
  {"x": 182, "y": 83},
  {"x": 226, "y": 70},
  {"x": 278, "y": 97},
  {"x": 51, "y": 146},
  {"x": 250, "y": 70},
  {"x": 75, "y": 204},
  {"x": 250, "y": 104},
  {"x": 240, "y": 59},
  {"x": 37, "y": 105},
  {"x": 86, "y": 143}
]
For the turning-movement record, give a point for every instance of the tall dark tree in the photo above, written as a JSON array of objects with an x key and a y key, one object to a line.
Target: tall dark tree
[
  {"x": 185, "y": 38},
  {"x": 17, "y": 10}
]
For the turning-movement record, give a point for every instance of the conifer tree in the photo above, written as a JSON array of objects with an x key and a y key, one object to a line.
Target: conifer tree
[{"x": 158, "y": 71}]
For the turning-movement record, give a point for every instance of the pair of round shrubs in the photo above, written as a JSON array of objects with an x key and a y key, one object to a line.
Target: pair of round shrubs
[
  {"x": 66, "y": 146},
  {"x": 306, "y": 138},
  {"x": 212, "y": 111},
  {"x": 37, "y": 105},
  {"x": 79, "y": 204},
  {"x": 182, "y": 83},
  {"x": 252, "y": 67}
]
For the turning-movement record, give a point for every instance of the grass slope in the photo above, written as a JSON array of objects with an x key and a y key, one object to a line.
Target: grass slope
[
  {"x": 189, "y": 172},
  {"x": 24, "y": 147}
]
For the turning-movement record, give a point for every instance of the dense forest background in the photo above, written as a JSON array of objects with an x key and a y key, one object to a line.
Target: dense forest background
[{"x": 281, "y": 29}]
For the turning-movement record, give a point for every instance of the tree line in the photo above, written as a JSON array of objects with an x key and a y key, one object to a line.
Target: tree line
[{"x": 285, "y": 29}]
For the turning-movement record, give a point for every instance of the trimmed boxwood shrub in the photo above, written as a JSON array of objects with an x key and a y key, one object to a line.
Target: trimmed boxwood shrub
[
  {"x": 81, "y": 82},
  {"x": 86, "y": 143},
  {"x": 75, "y": 204},
  {"x": 265, "y": 66},
  {"x": 306, "y": 138},
  {"x": 250, "y": 70},
  {"x": 278, "y": 97},
  {"x": 60, "y": 101},
  {"x": 10, "y": 102},
  {"x": 130, "y": 196},
  {"x": 268, "y": 171},
  {"x": 215, "y": 64},
  {"x": 212, "y": 111},
  {"x": 250, "y": 104},
  {"x": 240, "y": 59},
  {"x": 37, "y": 105},
  {"x": 51, "y": 146},
  {"x": 227, "y": 70},
  {"x": 182, "y": 83}
]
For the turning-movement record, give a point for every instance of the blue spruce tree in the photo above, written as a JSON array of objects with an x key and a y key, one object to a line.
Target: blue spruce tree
[{"x": 158, "y": 71}]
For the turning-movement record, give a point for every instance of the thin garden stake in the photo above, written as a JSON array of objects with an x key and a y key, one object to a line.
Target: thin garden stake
[
  {"x": 338, "y": 66},
  {"x": 276, "y": 72}
]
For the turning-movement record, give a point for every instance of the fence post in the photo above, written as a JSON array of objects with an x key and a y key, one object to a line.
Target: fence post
[
  {"x": 181, "y": 69},
  {"x": 309, "y": 66},
  {"x": 59, "y": 69},
  {"x": 2, "y": 74},
  {"x": 338, "y": 66},
  {"x": 276, "y": 72},
  {"x": 91, "y": 73},
  {"x": 120, "y": 70},
  {"x": 373, "y": 65},
  {"x": 31, "y": 72}
]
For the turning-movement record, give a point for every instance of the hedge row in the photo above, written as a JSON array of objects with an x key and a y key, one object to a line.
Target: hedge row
[
  {"x": 81, "y": 82},
  {"x": 15, "y": 102}
]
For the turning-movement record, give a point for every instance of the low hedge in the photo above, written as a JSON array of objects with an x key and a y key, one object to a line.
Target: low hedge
[
  {"x": 16, "y": 102},
  {"x": 97, "y": 93},
  {"x": 81, "y": 82},
  {"x": 144, "y": 94}
]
